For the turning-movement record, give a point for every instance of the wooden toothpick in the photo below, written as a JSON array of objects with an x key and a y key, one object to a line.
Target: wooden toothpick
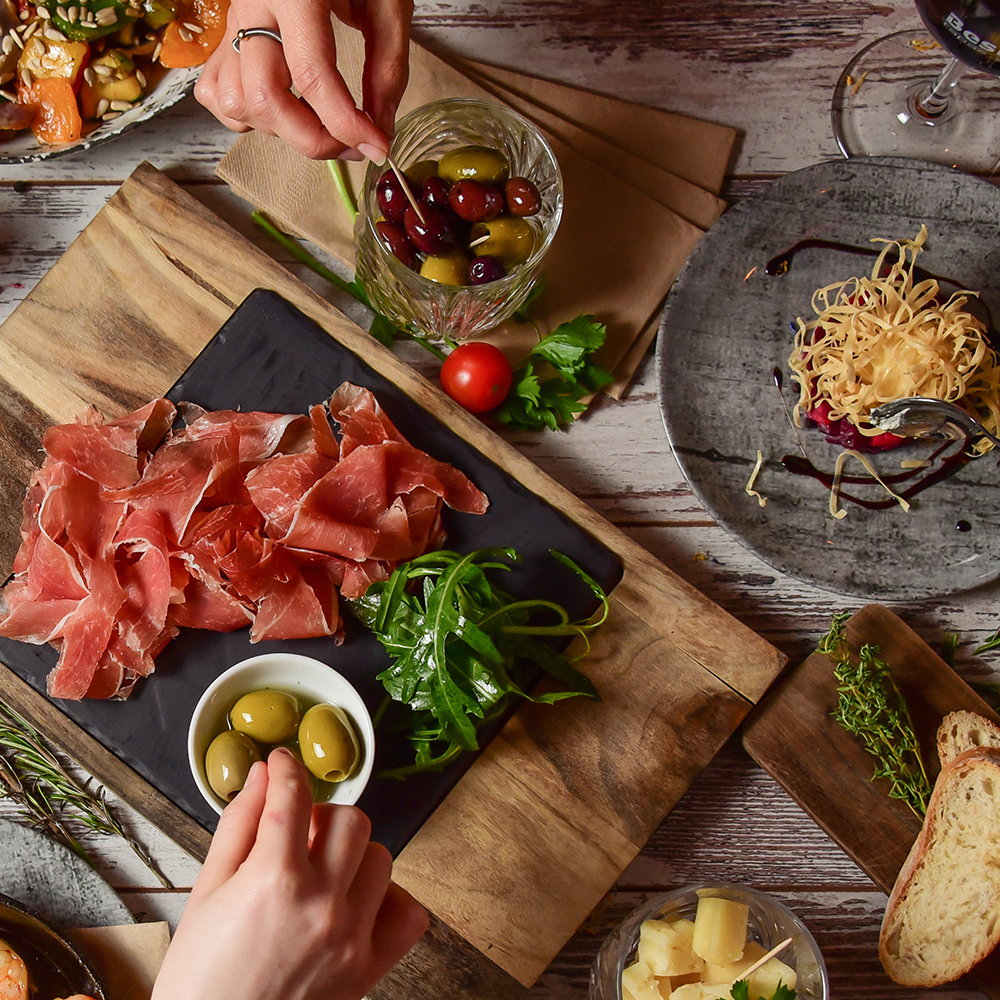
[
  {"x": 406, "y": 189},
  {"x": 764, "y": 959}
]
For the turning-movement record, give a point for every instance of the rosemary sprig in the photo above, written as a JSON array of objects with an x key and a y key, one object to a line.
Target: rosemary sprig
[
  {"x": 52, "y": 799},
  {"x": 871, "y": 707}
]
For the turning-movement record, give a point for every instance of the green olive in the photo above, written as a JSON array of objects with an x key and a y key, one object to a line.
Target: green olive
[
  {"x": 451, "y": 268},
  {"x": 420, "y": 171},
  {"x": 228, "y": 761},
  {"x": 478, "y": 163},
  {"x": 328, "y": 742},
  {"x": 266, "y": 716},
  {"x": 510, "y": 239}
]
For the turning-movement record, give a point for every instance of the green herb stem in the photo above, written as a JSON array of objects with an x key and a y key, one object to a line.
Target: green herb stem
[
  {"x": 871, "y": 707},
  {"x": 339, "y": 174},
  {"x": 51, "y": 798}
]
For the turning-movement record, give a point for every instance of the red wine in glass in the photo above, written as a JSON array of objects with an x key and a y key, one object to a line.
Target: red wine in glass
[
  {"x": 970, "y": 31},
  {"x": 902, "y": 96}
]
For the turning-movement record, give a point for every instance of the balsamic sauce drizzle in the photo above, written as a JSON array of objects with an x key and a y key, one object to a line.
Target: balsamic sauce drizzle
[{"x": 780, "y": 265}]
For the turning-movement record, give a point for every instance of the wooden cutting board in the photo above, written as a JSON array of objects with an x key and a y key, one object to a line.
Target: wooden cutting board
[
  {"x": 540, "y": 827},
  {"x": 794, "y": 737}
]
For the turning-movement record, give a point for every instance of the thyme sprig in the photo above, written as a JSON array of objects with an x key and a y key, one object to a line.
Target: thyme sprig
[
  {"x": 51, "y": 799},
  {"x": 870, "y": 706}
]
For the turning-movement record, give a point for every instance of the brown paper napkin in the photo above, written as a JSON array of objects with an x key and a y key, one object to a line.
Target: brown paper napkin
[
  {"x": 125, "y": 958},
  {"x": 622, "y": 239}
]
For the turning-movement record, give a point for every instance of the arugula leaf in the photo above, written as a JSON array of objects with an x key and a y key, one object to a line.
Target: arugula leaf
[{"x": 459, "y": 646}]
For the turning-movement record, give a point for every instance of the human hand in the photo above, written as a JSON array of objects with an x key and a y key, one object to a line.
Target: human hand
[
  {"x": 293, "y": 903},
  {"x": 251, "y": 89}
]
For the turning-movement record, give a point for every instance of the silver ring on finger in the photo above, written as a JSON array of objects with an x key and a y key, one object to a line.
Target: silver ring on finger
[{"x": 255, "y": 32}]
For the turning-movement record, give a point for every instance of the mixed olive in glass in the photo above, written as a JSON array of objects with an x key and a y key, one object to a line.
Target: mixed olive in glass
[
  {"x": 322, "y": 736},
  {"x": 470, "y": 227}
]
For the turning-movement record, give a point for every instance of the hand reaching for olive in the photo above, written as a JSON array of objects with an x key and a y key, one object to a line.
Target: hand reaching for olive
[
  {"x": 252, "y": 88},
  {"x": 293, "y": 903}
]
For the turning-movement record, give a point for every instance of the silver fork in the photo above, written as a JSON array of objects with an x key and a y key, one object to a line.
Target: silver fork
[{"x": 917, "y": 416}]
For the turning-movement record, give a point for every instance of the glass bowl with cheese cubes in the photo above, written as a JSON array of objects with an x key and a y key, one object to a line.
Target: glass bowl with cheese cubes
[{"x": 710, "y": 942}]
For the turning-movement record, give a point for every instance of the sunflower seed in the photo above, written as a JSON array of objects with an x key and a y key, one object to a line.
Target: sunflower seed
[
  {"x": 74, "y": 14},
  {"x": 62, "y": 12},
  {"x": 156, "y": 51},
  {"x": 26, "y": 77},
  {"x": 196, "y": 28},
  {"x": 54, "y": 35},
  {"x": 89, "y": 77},
  {"x": 6, "y": 45},
  {"x": 102, "y": 106},
  {"x": 7, "y": 95},
  {"x": 186, "y": 35},
  {"x": 106, "y": 15},
  {"x": 101, "y": 70},
  {"x": 43, "y": 13},
  {"x": 121, "y": 105},
  {"x": 111, "y": 116},
  {"x": 37, "y": 47},
  {"x": 141, "y": 77}
]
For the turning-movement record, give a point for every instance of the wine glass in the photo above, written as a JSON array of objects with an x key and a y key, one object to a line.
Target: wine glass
[{"x": 897, "y": 96}]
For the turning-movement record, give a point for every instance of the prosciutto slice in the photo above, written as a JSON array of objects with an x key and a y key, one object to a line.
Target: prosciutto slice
[{"x": 132, "y": 530}]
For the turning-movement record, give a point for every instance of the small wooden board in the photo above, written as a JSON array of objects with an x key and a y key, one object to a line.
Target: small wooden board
[
  {"x": 792, "y": 734},
  {"x": 541, "y": 826}
]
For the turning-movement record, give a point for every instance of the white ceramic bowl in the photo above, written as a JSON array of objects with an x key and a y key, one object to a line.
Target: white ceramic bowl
[{"x": 308, "y": 679}]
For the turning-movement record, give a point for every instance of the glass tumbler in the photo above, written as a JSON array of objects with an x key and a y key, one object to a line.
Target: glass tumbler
[
  {"x": 457, "y": 312},
  {"x": 770, "y": 922}
]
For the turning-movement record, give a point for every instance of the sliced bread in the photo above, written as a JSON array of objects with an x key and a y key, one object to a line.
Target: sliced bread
[
  {"x": 943, "y": 915},
  {"x": 961, "y": 731}
]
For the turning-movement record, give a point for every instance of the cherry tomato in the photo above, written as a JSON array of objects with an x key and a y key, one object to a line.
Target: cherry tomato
[{"x": 477, "y": 376}]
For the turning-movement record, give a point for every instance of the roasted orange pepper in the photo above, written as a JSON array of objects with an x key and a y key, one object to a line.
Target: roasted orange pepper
[
  {"x": 58, "y": 118},
  {"x": 177, "y": 51}
]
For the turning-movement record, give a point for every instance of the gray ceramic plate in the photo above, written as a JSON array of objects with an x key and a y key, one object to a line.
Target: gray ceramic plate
[
  {"x": 727, "y": 328},
  {"x": 22, "y": 147}
]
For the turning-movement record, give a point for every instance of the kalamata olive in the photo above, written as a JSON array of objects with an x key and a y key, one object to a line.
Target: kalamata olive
[
  {"x": 391, "y": 197},
  {"x": 474, "y": 201},
  {"x": 511, "y": 240},
  {"x": 483, "y": 270},
  {"x": 394, "y": 236},
  {"x": 435, "y": 192},
  {"x": 478, "y": 163},
  {"x": 228, "y": 761},
  {"x": 266, "y": 716},
  {"x": 328, "y": 742},
  {"x": 449, "y": 268},
  {"x": 523, "y": 198},
  {"x": 435, "y": 234}
]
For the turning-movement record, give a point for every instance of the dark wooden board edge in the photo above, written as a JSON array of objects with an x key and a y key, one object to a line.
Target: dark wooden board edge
[{"x": 81, "y": 747}]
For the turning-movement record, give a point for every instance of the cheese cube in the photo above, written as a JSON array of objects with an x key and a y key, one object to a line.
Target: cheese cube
[
  {"x": 734, "y": 970},
  {"x": 700, "y": 991},
  {"x": 667, "y": 947},
  {"x": 720, "y": 929},
  {"x": 765, "y": 980},
  {"x": 637, "y": 980}
]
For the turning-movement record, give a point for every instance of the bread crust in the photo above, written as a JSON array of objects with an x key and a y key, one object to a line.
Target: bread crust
[{"x": 943, "y": 915}]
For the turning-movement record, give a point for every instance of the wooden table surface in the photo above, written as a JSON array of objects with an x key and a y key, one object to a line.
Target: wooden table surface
[{"x": 766, "y": 69}]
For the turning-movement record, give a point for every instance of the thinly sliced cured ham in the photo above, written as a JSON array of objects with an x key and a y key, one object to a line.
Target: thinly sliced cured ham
[{"x": 132, "y": 530}]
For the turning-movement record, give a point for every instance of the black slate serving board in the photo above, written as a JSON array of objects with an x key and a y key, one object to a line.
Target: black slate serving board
[{"x": 269, "y": 356}]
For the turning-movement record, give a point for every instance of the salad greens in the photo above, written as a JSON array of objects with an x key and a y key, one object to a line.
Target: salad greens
[
  {"x": 871, "y": 707},
  {"x": 460, "y": 646}
]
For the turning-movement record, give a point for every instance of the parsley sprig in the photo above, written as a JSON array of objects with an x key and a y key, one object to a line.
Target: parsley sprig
[
  {"x": 871, "y": 706},
  {"x": 741, "y": 991},
  {"x": 460, "y": 645},
  {"x": 556, "y": 376}
]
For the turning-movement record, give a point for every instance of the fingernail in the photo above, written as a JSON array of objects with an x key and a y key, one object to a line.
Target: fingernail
[
  {"x": 285, "y": 751},
  {"x": 373, "y": 153},
  {"x": 351, "y": 154},
  {"x": 253, "y": 775}
]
